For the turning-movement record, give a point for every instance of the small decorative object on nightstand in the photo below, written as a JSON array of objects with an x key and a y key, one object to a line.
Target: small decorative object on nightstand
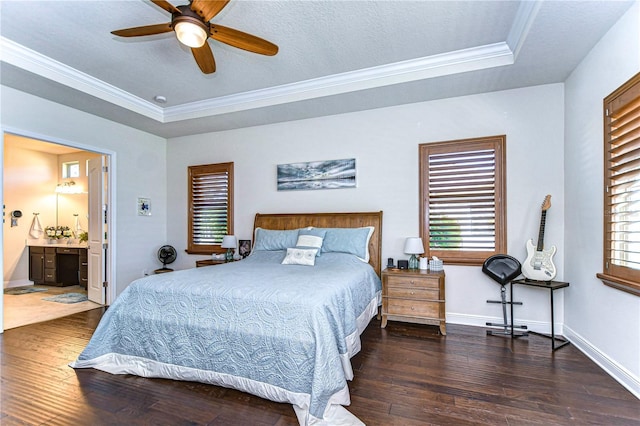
[
  {"x": 413, "y": 296},
  {"x": 413, "y": 246},
  {"x": 229, "y": 242}
]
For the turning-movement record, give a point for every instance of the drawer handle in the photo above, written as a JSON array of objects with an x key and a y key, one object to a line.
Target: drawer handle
[
  {"x": 413, "y": 309},
  {"x": 412, "y": 293},
  {"x": 412, "y": 282}
]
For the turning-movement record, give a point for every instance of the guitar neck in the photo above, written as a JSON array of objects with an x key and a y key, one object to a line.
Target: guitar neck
[{"x": 543, "y": 219}]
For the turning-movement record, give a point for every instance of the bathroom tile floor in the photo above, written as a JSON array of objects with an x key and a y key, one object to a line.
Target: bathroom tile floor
[{"x": 29, "y": 308}]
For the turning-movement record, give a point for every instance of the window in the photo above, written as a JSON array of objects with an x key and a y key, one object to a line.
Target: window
[
  {"x": 210, "y": 207},
  {"x": 463, "y": 204},
  {"x": 70, "y": 169},
  {"x": 621, "y": 251}
]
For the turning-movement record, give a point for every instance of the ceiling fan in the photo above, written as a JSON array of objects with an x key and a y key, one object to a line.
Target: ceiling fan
[{"x": 192, "y": 27}]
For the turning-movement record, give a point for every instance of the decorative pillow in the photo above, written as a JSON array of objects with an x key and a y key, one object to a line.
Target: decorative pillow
[
  {"x": 348, "y": 240},
  {"x": 272, "y": 239},
  {"x": 300, "y": 256},
  {"x": 311, "y": 238}
]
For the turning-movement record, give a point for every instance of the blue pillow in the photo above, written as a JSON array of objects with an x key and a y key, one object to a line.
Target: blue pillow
[
  {"x": 348, "y": 240},
  {"x": 272, "y": 239}
]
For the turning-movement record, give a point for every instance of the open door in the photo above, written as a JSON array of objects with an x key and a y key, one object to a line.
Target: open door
[{"x": 97, "y": 247}]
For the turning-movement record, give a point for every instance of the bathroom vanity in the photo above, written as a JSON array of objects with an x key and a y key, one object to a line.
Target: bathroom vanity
[{"x": 58, "y": 264}]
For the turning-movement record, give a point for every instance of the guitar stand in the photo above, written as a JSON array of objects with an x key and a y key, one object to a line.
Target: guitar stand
[{"x": 506, "y": 327}]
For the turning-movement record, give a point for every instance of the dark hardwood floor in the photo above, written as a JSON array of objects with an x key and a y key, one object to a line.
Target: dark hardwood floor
[{"x": 405, "y": 375}]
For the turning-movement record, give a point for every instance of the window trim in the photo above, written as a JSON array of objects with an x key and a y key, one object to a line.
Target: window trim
[
  {"x": 201, "y": 170},
  {"x": 462, "y": 257},
  {"x": 616, "y": 276}
]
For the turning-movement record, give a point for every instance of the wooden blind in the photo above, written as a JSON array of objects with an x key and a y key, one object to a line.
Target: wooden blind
[
  {"x": 210, "y": 206},
  {"x": 462, "y": 191},
  {"x": 622, "y": 184}
]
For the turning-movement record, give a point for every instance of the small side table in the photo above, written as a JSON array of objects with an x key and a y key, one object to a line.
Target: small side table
[
  {"x": 209, "y": 262},
  {"x": 551, "y": 286}
]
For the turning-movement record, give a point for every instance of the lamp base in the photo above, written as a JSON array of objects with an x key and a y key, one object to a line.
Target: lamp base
[
  {"x": 229, "y": 256},
  {"x": 413, "y": 262}
]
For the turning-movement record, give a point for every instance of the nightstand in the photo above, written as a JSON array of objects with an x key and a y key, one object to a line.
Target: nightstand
[
  {"x": 413, "y": 295},
  {"x": 209, "y": 262}
]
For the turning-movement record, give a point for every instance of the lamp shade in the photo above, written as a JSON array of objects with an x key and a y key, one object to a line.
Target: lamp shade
[
  {"x": 413, "y": 245},
  {"x": 229, "y": 241}
]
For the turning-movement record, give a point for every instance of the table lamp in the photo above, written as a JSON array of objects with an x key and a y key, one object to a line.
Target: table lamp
[
  {"x": 413, "y": 246},
  {"x": 229, "y": 242}
]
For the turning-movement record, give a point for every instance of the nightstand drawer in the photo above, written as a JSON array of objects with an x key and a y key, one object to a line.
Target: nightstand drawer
[
  {"x": 413, "y": 308},
  {"x": 413, "y": 293},
  {"x": 414, "y": 282}
]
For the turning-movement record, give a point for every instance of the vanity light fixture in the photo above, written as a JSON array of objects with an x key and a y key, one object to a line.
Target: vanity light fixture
[{"x": 68, "y": 188}]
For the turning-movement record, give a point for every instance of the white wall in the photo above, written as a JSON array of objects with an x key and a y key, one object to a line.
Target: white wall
[
  {"x": 604, "y": 321},
  {"x": 139, "y": 170},
  {"x": 29, "y": 180},
  {"x": 385, "y": 145}
]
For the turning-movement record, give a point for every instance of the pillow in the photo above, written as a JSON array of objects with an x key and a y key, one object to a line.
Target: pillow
[
  {"x": 275, "y": 239},
  {"x": 311, "y": 238},
  {"x": 300, "y": 256},
  {"x": 348, "y": 240}
]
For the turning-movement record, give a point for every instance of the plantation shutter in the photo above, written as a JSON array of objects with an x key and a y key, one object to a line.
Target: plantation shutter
[
  {"x": 622, "y": 184},
  {"x": 462, "y": 195},
  {"x": 210, "y": 206}
]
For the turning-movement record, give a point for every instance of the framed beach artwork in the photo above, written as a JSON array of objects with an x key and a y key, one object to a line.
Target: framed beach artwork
[{"x": 330, "y": 174}]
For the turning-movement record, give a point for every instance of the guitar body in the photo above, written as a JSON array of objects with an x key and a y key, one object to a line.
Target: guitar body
[{"x": 539, "y": 264}]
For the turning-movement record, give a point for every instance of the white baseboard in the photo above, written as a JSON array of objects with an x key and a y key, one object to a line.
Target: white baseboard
[
  {"x": 616, "y": 371},
  {"x": 17, "y": 283},
  {"x": 619, "y": 373}
]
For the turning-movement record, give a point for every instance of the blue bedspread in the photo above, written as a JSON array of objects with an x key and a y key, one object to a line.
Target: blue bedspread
[{"x": 283, "y": 332}]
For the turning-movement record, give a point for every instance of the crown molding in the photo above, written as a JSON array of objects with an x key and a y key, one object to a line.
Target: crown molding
[
  {"x": 476, "y": 58},
  {"x": 449, "y": 63},
  {"x": 36, "y": 63},
  {"x": 525, "y": 16}
]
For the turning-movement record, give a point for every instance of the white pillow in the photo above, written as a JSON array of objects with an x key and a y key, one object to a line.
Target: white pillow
[
  {"x": 309, "y": 241},
  {"x": 300, "y": 256}
]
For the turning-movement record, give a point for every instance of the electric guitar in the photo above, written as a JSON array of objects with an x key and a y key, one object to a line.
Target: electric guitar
[{"x": 539, "y": 263}]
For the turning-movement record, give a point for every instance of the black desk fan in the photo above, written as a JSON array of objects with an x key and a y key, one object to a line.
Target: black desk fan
[{"x": 166, "y": 254}]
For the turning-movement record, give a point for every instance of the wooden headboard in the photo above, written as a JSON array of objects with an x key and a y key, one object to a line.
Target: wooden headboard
[{"x": 329, "y": 220}]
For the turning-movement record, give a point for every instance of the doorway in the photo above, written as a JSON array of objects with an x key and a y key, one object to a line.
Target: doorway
[{"x": 44, "y": 171}]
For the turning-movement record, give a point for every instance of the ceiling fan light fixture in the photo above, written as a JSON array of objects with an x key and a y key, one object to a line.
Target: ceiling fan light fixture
[{"x": 190, "y": 33}]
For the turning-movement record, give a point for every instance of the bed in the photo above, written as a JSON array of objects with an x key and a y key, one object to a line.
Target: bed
[{"x": 281, "y": 324}]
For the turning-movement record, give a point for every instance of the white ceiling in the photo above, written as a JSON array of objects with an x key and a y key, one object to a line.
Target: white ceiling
[{"x": 334, "y": 56}]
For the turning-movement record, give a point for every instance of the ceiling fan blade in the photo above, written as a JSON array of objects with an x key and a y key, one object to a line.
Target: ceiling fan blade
[
  {"x": 143, "y": 31},
  {"x": 204, "y": 57},
  {"x": 166, "y": 6},
  {"x": 207, "y": 9},
  {"x": 242, "y": 40}
]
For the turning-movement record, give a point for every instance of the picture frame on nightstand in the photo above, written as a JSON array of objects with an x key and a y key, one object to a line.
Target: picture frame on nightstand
[{"x": 244, "y": 248}]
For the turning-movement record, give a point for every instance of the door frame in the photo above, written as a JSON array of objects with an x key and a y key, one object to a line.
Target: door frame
[{"x": 111, "y": 293}]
